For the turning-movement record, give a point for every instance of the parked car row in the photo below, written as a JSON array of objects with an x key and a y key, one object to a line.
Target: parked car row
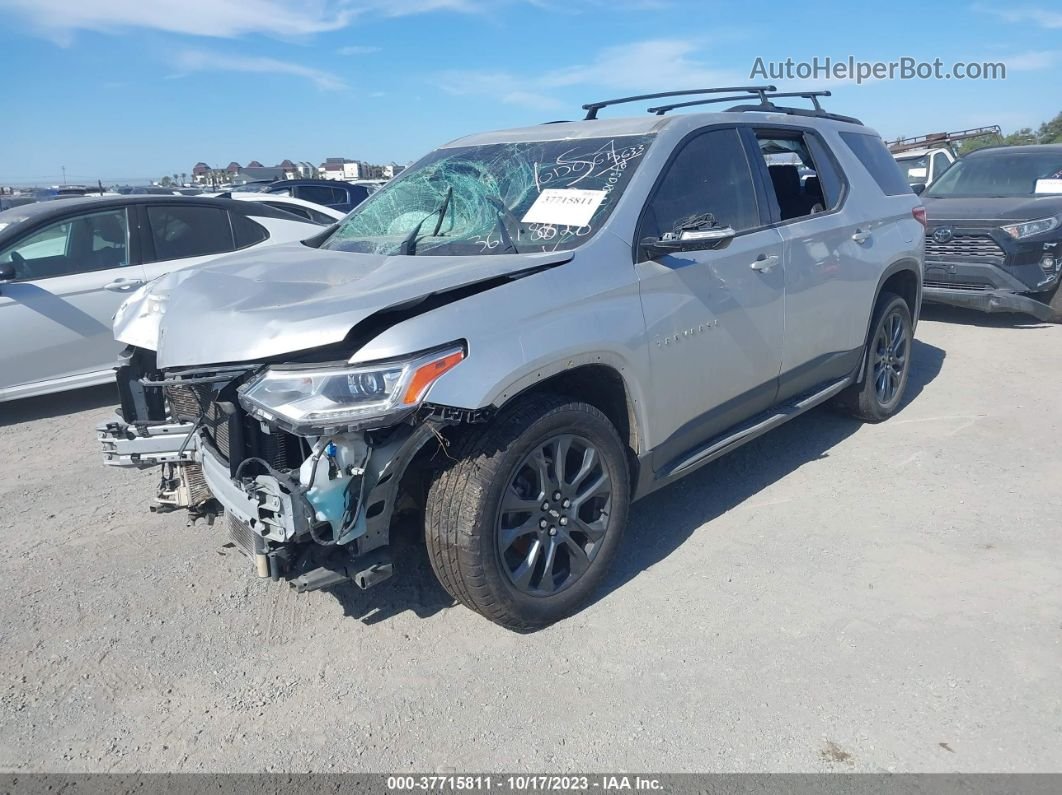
[{"x": 67, "y": 265}]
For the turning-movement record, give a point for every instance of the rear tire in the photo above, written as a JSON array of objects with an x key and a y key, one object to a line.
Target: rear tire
[
  {"x": 523, "y": 525},
  {"x": 886, "y": 363}
]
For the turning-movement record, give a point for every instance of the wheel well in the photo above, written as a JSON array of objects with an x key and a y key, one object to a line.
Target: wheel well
[
  {"x": 599, "y": 385},
  {"x": 603, "y": 388},
  {"x": 903, "y": 283}
]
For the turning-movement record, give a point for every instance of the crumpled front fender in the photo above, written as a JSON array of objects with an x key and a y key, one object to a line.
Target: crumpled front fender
[{"x": 139, "y": 318}]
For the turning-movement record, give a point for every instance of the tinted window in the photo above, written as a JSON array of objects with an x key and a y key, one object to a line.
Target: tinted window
[
  {"x": 91, "y": 242},
  {"x": 710, "y": 175},
  {"x": 247, "y": 232},
  {"x": 319, "y": 194},
  {"x": 875, "y": 157},
  {"x": 291, "y": 209},
  {"x": 358, "y": 194},
  {"x": 183, "y": 231}
]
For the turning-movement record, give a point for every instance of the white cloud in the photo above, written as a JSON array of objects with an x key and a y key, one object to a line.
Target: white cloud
[
  {"x": 59, "y": 19},
  {"x": 499, "y": 86},
  {"x": 1045, "y": 18},
  {"x": 358, "y": 49},
  {"x": 655, "y": 64},
  {"x": 201, "y": 61},
  {"x": 645, "y": 66},
  {"x": 1032, "y": 61}
]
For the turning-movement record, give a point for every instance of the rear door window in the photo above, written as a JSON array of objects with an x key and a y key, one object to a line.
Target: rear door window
[
  {"x": 876, "y": 159},
  {"x": 180, "y": 231},
  {"x": 804, "y": 179}
]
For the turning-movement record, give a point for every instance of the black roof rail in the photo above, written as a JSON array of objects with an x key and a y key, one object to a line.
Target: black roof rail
[
  {"x": 817, "y": 111},
  {"x": 766, "y": 105},
  {"x": 660, "y": 110},
  {"x": 592, "y": 108}
]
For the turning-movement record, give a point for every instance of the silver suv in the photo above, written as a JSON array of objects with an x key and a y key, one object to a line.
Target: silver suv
[{"x": 520, "y": 335}]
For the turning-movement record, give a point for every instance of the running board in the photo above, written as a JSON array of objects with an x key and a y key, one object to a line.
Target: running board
[{"x": 758, "y": 427}]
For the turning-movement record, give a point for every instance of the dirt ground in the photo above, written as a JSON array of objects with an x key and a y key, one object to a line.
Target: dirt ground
[{"x": 834, "y": 596}]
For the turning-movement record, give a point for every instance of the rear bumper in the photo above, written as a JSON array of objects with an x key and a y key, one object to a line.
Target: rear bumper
[{"x": 999, "y": 300}]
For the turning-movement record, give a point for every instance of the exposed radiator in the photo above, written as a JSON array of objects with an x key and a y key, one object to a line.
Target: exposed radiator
[{"x": 242, "y": 535}]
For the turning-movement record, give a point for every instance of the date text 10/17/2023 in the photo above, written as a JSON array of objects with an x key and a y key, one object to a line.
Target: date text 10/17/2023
[{"x": 522, "y": 783}]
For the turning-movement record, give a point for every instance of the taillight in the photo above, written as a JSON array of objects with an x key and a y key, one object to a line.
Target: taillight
[{"x": 919, "y": 214}]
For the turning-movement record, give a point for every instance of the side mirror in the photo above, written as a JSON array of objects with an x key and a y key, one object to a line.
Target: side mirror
[
  {"x": 688, "y": 240},
  {"x": 7, "y": 272},
  {"x": 918, "y": 187}
]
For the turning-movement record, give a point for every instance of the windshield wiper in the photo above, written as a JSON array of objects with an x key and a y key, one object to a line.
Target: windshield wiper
[
  {"x": 409, "y": 245},
  {"x": 503, "y": 231}
]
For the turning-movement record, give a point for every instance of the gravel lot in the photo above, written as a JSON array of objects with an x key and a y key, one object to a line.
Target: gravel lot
[{"x": 831, "y": 597}]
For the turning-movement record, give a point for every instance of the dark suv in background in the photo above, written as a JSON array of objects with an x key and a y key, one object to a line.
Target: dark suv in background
[
  {"x": 342, "y": 196},
  {"x": 994, "y": 237}
]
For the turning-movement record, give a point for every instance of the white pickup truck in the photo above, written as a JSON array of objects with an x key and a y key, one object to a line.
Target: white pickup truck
[{"x": 923, "y": 158}]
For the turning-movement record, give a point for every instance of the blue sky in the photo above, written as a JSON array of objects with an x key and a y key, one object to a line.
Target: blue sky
[{"x": 133, "y": 89}]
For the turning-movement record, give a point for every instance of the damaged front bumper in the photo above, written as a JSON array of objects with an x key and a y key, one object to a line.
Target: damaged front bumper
[
  {"x": 322, "y": 524},
  {"x": 150, "y": 445}
]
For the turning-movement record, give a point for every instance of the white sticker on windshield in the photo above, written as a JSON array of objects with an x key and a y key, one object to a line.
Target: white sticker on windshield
[
  {"x": 564, "y": 207},
  {"x": 1052, "y": 185},
  {"x": 919, "y": 173}
]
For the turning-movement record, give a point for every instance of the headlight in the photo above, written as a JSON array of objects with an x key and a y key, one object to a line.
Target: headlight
[
  {"x": 1030, "y": 228},
  {"x": 309, "y": 400}
]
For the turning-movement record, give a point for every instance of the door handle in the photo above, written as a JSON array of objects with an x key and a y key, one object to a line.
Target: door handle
[
  {"x": 123, "y": 285},
  {"x": 764, "y": 263},
  {"x": 860, "y": 236}
]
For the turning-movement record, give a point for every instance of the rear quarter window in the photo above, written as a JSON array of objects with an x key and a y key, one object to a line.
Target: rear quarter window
[
  {"x": 247, "y": 232},
  {"x": 876, "y": 159}
]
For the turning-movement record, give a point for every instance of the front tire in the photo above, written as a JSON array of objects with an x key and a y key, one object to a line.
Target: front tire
[
  {"x": 886, "y": 366},
  {"x": 523, "y": 525}
]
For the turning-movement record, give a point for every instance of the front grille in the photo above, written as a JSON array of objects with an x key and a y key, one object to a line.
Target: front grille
[
  {"x": 965, "y": 247},
  {"x": 970, "y": 288}
]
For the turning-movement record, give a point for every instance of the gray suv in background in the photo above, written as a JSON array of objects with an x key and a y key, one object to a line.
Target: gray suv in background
[{"x": 520, "y": 335}]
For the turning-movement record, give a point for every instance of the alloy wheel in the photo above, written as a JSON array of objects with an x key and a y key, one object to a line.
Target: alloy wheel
[
  {"x": 891, "y": 349},
  {"x": 554, "y": 515}
]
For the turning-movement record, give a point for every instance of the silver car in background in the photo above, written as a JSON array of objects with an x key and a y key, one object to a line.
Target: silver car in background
[{"x": 67, "y": 265}]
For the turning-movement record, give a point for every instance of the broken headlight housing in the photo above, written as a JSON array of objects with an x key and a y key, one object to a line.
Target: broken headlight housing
[{"x": 314, "y": 400}]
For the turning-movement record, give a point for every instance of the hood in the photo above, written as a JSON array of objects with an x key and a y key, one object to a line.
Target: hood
[
  {"x": 289, "y": 298},
  {"x": 985, "y": 211}
]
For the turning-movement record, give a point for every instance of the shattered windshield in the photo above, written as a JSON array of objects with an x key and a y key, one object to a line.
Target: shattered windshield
[{"x": 493, "y": 199}]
